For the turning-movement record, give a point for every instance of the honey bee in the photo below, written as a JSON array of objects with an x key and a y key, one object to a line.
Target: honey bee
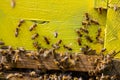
[
  {"x": 87, "y": 16},
  {"x": 79, "y": 41},
  {"x": 20, "y": 22},
  {"x": 55, "y": 34},
  {"x": 46, "y": 40},
  {"x": 85, "y": 23},
  {"x": 46, "y": 53},
  {"x": 103, "y": 50},
  {"x": 62, "y": 67},
  {"x": 55, "y": 46},
  {"x": 56, "y": 62},
  {"x": 16, "y": 58},
  {"x": 68, "y": 48},
  {"x": 29, "y": 54},
  {"x": 72, "y": 62},
  {"x": 34, "y": 36},
  {"x": 64, "y": 59},
  {"x": 36, "y": 45},
  {"x": 21, "y": 49},
  {"x": 2, "y": 43},
  {"x": 102, "y": 77},
  {"x": 59, "y": 42},
  {"x": 80, "y": 78},
  {"x": 100, "y": 10},
  {"x": 75, "y": 78},
  {"x": 4, "y": 47},
  {"x": 79, "y": 33},
  {"x": 16, "y": 32},
  {"x": 91, "y": 79},
  {"x": 84, "y": 30},
  {"x": 88, "y": 38},
  {"x": 101, "y": 41},
  {"x": 12, "y": 3},
  {"x": 18, "y": 75},
  {"x": 115, "y": 7},
  {"x": 7, "y": 67},
  {"x": 99, "y": 31},
  {"x": 33, "y": 27},
  {"x": 3, "y": 60},
  {"x": 95, "y": 22},
  {"x": 10, "y": 76},
  {"x": 114, "y": 77},
  {"x": 32, "y": 74}
]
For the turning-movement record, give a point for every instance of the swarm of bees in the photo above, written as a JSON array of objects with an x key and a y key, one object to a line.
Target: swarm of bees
[{"x": 63, "y": 62}]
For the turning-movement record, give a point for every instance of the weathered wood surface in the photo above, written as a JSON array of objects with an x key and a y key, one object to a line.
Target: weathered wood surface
[{"x": 84, "y": 63}]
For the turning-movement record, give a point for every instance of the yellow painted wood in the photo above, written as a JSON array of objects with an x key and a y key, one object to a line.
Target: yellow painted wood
[
  {"x": 101, "y": 3},
  {"x": 112, "y": 37},
  {"x": 113, "y": 3},
  {"x": 64, "y": 16}
]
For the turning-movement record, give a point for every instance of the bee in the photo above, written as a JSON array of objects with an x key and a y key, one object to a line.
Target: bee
[
  {"x": 68, "y": 48},
  {"x": 100, "y": 10},
  {"x": 71, "y": 62},
  {"x": 62, "y": 67},
  {"x": 56, "y": 62},
  {"x": 55, "y": 34},
  {"x": 16, "y": 32},
  {"x": 10, "y": 49},
  {"x": 4, "y": 47},
  {"x": 33, "y": 27},
  {"x": 16, "y": 58},
  {"x": 21, "y": 49},
  {"x": 12, "y": 3},
  {"x": 88, "y": 38},
  {"x": 2, "y": 43},
  {"x": 46, "y": 53},
  {"x": 87, "y": 16},
  {"x": 55, "y": 46},
  {"x": 115, "y": 7},
  {"x": 3, "y": 60},
  {"x": 20, "y": 22},
  {"x": 83, "y": 50},
  {"x": 36, "y": 45},
  {"x": 41, "y": 78},
  {"x": 91, "y": 78},
  {"x": 79, "y": 41},
  {"x": 64, "y": 59},
  {"x": 7, "y": 67},
  {"x": 84, "y": 30},
  {"x": 97, "y": 78},
  {"x": 114, "y": 77},
  {"x": 80, "y": 78},
  {"x": 59, "y": 42},
  {"x": 34, "y": 36},
  {"x": 29, "y": 54},
  {"x": 95, "y": 22},
  {"x": 46, "y": 40},
  {"x": 103, "y": 50},
  {"x": 79, "y": 33},
  {"x": 102, "y": 77},
  {"x": 32, "y": 74},
  {"x": 85, "y": 23},
  {"x": 99, "y": 31},
  {"x": 10, "y": 76},
  {"x": 101, "y": 41},
  {"x": 18, "y": 75},
  {"x": 75, "y": 78}
]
